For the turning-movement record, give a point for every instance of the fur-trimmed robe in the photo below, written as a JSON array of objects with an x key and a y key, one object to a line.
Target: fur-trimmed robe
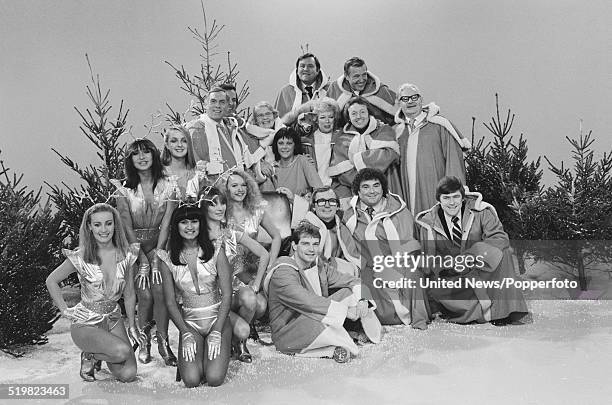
[
  {"x": 292, "y": 96},
  {"x": 390, "y": 232},
  {"x": 352, "y": 151},
  {"x": 483, "y": 235},
  {"x": 380, "y": 98},
  {"x": 235, "y": 149},
  {"x": 304, "y": 319},
  {"x": 438, "y": 153}
]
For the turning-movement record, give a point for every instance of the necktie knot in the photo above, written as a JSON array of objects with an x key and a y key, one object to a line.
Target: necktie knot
[
  {"x": 309, "y": 90},
  {"x": 456, "y": 231},
  {"x": 370, "y": 211}
]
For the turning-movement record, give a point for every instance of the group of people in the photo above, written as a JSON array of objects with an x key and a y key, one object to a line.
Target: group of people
[{"x": 284, "y": 218}]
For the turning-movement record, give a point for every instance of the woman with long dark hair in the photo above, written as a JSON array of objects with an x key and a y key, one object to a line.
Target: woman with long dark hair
[
  {"x": 198, "y": 270},
  {"x": 145, "y": 203},
  {"x": 104, "y": 264}
]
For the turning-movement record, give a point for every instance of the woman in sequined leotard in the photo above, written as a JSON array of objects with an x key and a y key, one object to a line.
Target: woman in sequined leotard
[
  {"x": 245, "y": 295},
  {"x": 177, "y": 158},
  {"x": 197, "y": 269},
  {"x": 145, "y": 201},
  {"x": 104, "y": 264},
  {"x": 246, "y": 212}
]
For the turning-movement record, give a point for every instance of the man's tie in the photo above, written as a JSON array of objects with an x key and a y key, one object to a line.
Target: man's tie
[
  {"x": 370, "y": 211},
  {"x": 456, "y": 231},
  {"x": 411, "y": 124},
  {"x": 309, "y": 91}
]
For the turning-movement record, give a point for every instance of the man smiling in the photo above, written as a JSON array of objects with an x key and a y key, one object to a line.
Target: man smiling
[
  {"x": 463, "y": 226},
  {"x": 305, "y": 319},
  {"x": 217, "y": 146},
  {"x": 358, "y": 81},
  {"x": 377, "y": 223},
  {"x": 306, "y": 83},
  {"x": 430, "y": 148}
]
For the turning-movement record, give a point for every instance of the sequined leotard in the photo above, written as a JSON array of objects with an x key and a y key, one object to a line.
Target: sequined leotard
[{"x": 99, "y": 300}]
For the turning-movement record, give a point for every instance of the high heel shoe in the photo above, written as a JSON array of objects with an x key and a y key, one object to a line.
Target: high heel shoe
[
  {"x": 165, "y": 351},
  {"x": 178, "y": 375},
  {"x": 144, "y": 354},
  {"x": 87, "y": 367},
  {"x": 242, "y": 352}
]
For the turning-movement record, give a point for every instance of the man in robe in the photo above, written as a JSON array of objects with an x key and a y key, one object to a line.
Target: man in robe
[
  {"x": 217, "y": 146},
  {"x": 363, "y": 142},
  {"x": 306, "y": 83},
  {"x": 357, "y": 81},
  {"x": 463, "y": 227},
  {"x": 431, "y": 147},
  {"x": 378, "y": 225},
  {"x": 324, "y": 215},
  {"x": 306, "y": 320}
]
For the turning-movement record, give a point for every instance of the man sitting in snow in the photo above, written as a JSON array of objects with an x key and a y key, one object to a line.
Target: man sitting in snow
[
  {"x": 304, "y": 318},
  {"x": 466, "y": 228}
]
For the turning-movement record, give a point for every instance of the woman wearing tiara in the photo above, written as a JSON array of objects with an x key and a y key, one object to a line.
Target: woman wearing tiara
[
  {"x": 247, "y": 306},
  {"x": 197, "y": 270},
  {"x": 104, "y": 264}
]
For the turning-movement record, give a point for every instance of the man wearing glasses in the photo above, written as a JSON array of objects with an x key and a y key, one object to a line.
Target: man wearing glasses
[
  {"x": 324, "y": 215},
  {"x": 430, "y": 148}
]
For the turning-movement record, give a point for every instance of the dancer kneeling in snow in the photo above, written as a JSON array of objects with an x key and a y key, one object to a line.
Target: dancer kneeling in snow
[
  {"x": 200, "y": 272},
  {"x": 104, "y": 263},
  {"x": 304, "y": 319}
]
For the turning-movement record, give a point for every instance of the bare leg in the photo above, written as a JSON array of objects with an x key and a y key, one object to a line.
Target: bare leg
[
  {"x": 260, "y": 308},
  {"x": 192, "y": 371},
  {"x": 217, "y": 369},
  {"x": 239, "y": 327},
  {"x": 112, "y": 347}
]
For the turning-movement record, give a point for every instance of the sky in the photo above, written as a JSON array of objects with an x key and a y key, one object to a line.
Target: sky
[{"x": 549, "y": 60}]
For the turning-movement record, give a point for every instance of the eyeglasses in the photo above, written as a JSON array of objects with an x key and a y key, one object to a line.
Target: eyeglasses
[
  {"x": 333, "y": 202},
  {"x": 407, "y": 99},
  {"x": 266, "y": 114}
]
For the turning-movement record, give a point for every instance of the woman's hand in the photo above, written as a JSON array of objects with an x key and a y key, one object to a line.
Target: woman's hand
[
  {"x": 214, "y": 344},
  {"x": 189, "y": 346},
  {"x": 76, "y": 313},
  {"x": 255, "y": 286},
  {"x": 137, "y": 335},
  {"x": 156, "y": 277},
  {"x": 142, "y": 278},
  {"x": 287, "y": 192}
]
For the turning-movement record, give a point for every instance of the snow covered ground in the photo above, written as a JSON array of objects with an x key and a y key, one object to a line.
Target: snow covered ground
[{"x": 564, "y": 357}]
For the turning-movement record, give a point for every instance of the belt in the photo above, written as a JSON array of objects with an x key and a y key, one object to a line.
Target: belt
[
  {"x": 201, "y": 301},
  {"x": 143, "y": 234},
  {"x": 100, "y": 307}
]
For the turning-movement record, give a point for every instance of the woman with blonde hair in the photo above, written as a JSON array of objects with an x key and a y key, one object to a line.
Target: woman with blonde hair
[
  {"x": 246, "y": 304},
  {"x": 246, "y": 212},
  {"x": 262, "y": 126},
  {"x": 177, "y": 158},
  {"x": 104, "y": 264}
]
